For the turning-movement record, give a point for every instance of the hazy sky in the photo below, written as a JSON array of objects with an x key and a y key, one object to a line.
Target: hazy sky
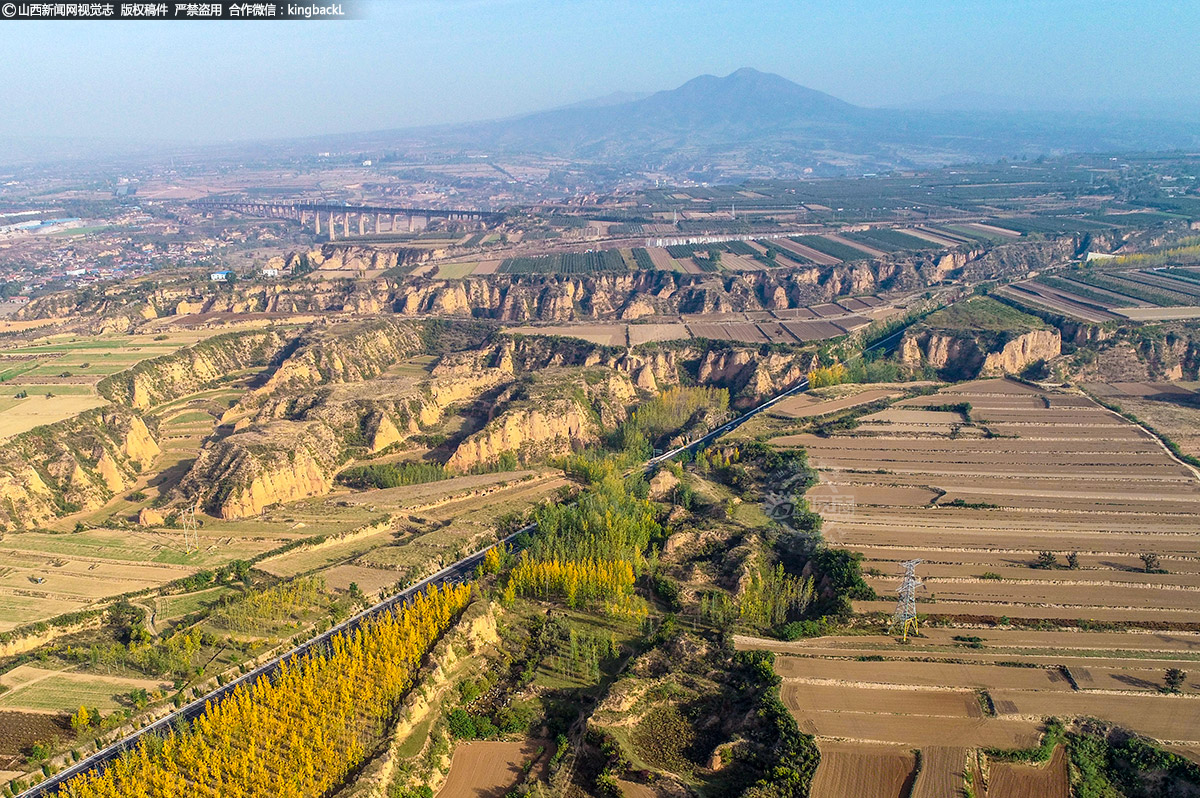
[{"x": 416, "y": 62}]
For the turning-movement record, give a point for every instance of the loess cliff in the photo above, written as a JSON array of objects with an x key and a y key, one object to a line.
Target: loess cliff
[
  {"x": 164, "y": 379},
  {"x": 77, "y": 464},
  {"x": 979, "y": 337},
  {"x": 384, "y": 285}
]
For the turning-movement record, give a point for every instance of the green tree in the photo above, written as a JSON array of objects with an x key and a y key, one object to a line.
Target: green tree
[
  {"x": 1173, "y": 680},
  {"x": 1047, "y": 560}
]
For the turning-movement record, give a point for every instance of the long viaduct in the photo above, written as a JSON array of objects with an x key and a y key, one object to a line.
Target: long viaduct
[{"x": 328, "y": 217}]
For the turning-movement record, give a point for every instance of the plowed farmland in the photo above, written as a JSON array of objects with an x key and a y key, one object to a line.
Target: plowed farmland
[
  {"x": 1060, "y": 548},
  {"x": 852, "y": 772}
]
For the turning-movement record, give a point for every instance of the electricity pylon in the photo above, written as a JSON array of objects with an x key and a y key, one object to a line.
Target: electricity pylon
[
  {"x": 191, "y": 529},
  {"x": 905, "y": 617}
]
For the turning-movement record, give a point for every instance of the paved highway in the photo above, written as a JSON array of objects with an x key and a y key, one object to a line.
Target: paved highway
[{"x": 457, "y": 572}]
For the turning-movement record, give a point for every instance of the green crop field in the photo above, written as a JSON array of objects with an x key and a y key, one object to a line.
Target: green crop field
[
  {"x": 983, "y": 314},
  {"x": 455, "y": 271},
  {"x": 832, "y": 248},
  {"x": 889, "y": 240},
  {"x": 608, "y": 260}
]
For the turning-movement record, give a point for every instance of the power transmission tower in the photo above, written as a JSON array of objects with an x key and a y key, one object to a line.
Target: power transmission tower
[
  {"x": 191, "y": 529},
  {"x": 905, "y": 617}
]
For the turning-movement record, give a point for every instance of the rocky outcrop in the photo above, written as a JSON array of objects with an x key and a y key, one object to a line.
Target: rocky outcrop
[
  {"x": 752, "y": 375},
  {"x": 337, "y": 257},
  {"x": 548, "y": 414},
  {"x": 246, "y": 472},
  {"x": 529, "y": 433},
  {"x": 354, "y": 354},
  {"x": 1018, "y": 353},
  {"x": 150, "y": 517},
  {"x": 76, "y": 464}
]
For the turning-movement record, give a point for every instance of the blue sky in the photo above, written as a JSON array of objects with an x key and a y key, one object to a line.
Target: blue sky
[{"x": 417, "y": 62}]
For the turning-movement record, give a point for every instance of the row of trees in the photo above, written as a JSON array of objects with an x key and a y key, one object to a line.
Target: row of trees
[
  {"x": 607, "y": 583},
  {"x": 609, "y": 522},
  {"x": 297, "y": 736}
]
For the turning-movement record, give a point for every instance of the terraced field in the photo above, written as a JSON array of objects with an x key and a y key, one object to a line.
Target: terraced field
[
  {"x": 56, "y": 376},
  {"x": 979, "y": 492},
  {"x": 1097, "y": 296},
  {"x": 793, "y": 325}
]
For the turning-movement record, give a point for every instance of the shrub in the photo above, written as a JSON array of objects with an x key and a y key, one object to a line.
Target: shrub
[{"x": 462, "y": 725}]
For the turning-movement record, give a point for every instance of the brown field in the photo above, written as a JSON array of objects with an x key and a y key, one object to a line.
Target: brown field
[
  {"x": 37, "y": 410},
  {"x": 855, "y": 771},
  {"x": 775, "y": 332},
  {"x": 934, "y": 238},
  {"x": 794, "y": 313},
  {"x": 731, "y": 331},
  {"x": 1173, "y": 718},
  {"x": 828, "y": 310},
  {"x": 920, "y": 731},
  {"x": 662, "y": 260},
  {"x": 603, "y": 334},
  {"x": 948, "y": 675},
  {"x": 851, "y": 323},
  {"x": 20, "y": 730},
  {"x": 806, "y": 406},
  {"x": 489, "y": 769},
  {"x": 813, "y": 330},
  {"x": 853, "y": 305},
  {"x": 1036, "y": 294},
  {"x": 831, "y": 698},
  {"x": 1172, "y": 411},
  {"x": 1176, "y": 313},
  {"x": 646, "y": 333},
  {"x": 630, "y": 789},
  {"x": 740, "y": 263},
  {"x": 941, "y": 773},
  {"x": 991, "y": 228},
  {"x": 1012, "y": 780},
  {"x": 1076, "y": 478}
]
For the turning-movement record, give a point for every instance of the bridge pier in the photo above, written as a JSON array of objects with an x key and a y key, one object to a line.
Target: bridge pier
[{"x": 393, "y": 220}]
